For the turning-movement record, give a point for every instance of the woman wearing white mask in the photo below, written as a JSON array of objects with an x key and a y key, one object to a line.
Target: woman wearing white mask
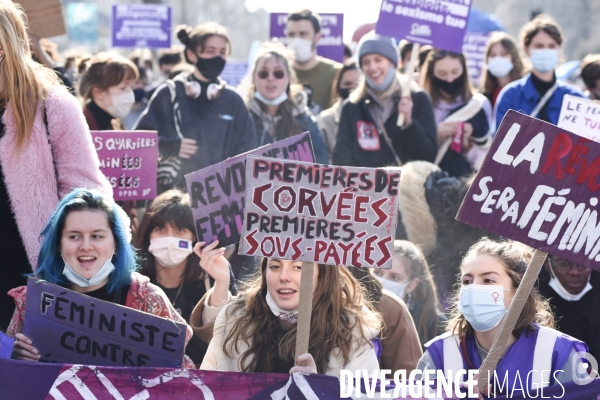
[
  {"x": 490, "y": 275},
  {"x": 86, "y": 248},
  {"x": 410, "y": 279},
  {"x": 538, "y": 93},
  {"x": 502, "y": 65},
  {"x": 167, "y": 243},
  {"x": 106, "y": 89},
  {"x": 277, "y": 106}
]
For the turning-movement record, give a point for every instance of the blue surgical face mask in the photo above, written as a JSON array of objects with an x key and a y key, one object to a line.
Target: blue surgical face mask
[
  {"x": 482, "y": 305},
  {"x": 98, "y": 277},
  {"x": 544, "y": 60},
  {"x": 386, "y": 82}
]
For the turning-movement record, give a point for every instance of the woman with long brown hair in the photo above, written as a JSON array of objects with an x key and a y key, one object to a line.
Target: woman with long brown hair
[
  {"x": 278, "y": 106},
  {"x": 257, "y": 331},
  {"x": 490, "y": 274},
  {"x": 463, "y": 117},
  {"x": 410, "y": 279},
  {"x": 45, "y": 152},
  {"x": 502, "y": 65}
]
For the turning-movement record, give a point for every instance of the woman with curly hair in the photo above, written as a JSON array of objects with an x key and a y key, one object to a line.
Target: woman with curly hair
[
  {"x": 490, "y": 275},
  {"x": 257, "y": 331}
]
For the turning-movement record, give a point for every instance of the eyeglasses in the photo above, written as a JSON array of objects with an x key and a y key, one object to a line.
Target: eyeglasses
[
  {"x": 264, "y": 74},
  {"x": 563, "y": 266}
]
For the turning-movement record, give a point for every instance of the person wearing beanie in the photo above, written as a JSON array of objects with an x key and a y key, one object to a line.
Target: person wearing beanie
[{"x": 387, "y": 120}]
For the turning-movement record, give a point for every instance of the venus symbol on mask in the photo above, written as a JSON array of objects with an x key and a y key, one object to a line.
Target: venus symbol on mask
[{"x": 495, "y": 295}]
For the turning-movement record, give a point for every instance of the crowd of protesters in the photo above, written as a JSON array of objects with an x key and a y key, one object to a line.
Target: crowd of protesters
[{"x": 368, "y": 112}]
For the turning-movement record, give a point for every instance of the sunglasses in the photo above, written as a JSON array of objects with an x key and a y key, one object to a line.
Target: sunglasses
[{"x": 264, "y": 74}]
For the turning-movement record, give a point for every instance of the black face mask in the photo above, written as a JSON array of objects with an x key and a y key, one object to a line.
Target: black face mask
[
  {"x": 449, "y": 87},
  {"x": 344, "y": 93},
  {"x": 211, "y": 68}
]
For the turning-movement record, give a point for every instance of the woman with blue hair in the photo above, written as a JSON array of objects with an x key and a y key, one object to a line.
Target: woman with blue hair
[{"x": 86, "y": 249}]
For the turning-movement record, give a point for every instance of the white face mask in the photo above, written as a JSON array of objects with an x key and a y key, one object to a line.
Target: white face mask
[
  {"x": 288, "y": 316},
  {"x": 562, "y": 292},
  {"x": 397, "y": 288},
  {"x": 499, "y": 66},
  {"x": 170, "y": 251},
  {"x": 121, "y": 104},
  {"x": 98, "y": 277},
  {"x": 275, "y": 102},
  {"x": 544, "y": 60},
  {"x": 302, "y": 48}
]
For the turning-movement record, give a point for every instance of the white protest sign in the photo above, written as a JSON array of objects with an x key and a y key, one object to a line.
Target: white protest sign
[{"x": 580, "y": 116}]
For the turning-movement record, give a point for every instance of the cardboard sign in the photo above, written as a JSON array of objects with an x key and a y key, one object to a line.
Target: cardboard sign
[
  {"x": 332, "y": 30},
  {"x": 320, "y": 213},
  {"x": 539, "y": 185},
  {"x": 141, "y": 25},
  {"x": 217, "y": 193},
  {"x": 70, "y": 327},
  {"x": 441, "y": 24},
  {"x": 580, "y": 116},
  {"x": 44, "y": 17},
  {"x": 474, "y": 51},
  {"x": 129, "y": 161}
]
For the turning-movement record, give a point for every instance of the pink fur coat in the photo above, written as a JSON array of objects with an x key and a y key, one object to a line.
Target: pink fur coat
[{"x": 29, "y": 173}]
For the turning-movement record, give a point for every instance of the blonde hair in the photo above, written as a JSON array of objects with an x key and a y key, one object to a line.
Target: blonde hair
[{"x": 25, "y": 81}]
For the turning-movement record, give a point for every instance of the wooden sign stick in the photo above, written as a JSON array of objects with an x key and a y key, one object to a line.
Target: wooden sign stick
[
  {"x": 510, "y": 320},
  {"x": 305, "y": 308},
  {"x": 410, "y": 69}
]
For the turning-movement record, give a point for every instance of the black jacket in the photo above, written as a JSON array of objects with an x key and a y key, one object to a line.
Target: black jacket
[
  {"x": 360, "y": 144},
  {"x": 222, "y": 127}
]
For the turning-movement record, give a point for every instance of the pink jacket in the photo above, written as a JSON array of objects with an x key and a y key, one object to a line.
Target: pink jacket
[{"x": 29, "y": 174}]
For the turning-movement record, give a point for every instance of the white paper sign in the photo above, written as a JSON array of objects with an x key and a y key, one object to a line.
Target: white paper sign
[{"x": 580, "y": 116}]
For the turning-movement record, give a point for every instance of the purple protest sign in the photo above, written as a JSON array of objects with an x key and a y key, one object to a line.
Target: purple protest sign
[
  {"x": 539, "y": 185},
  {"x": 332, "y": 29},
  {"x": 70, "y": 327},
  {"x": 217, "y": 192},
  {"x": 141, "y": 25},
  {"x": 474, "y": 51},
  {"x": 129, "y": 160},
  {"x": 6, "y": 345},
  {"x": 440, "y": 23}
]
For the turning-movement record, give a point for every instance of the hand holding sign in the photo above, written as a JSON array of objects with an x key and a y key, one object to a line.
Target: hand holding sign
[
  {"x": 214, "y": 263},
  {"x": 405, "y": 107},
  {"x": 23, "y": 349}
]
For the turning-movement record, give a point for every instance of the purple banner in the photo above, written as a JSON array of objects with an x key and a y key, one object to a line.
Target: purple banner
[
  {"x": 217, "y": 192},
  {"x": 61, "y": 381},
  {"x": 70, "y": 327},
  {"x": 6, "y": 345},
  {"x": 539, "y": 185},
  {"x": 129, "y": 160},
  {"x": 474, "y": 51},
  {"x": 141, "y": 25},
  {"x": 332, "y": 29},
  {"x": 439, "y": 23}
]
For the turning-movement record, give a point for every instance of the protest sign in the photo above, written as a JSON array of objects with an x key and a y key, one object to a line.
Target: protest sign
[
  {"x": 128, "y": 159},
  {"x": 319, "y": 213},
  {"x": 82, "y": 21},
  {"x": 6, "y": 345},
  {"x": 234, "y": 71},
  {"x": 331, "y": 44},
  {"x": 539, "y": 185},
  {"x": 580, "y": 116},
  {"x": 474, "y": 51},
  {"x": 44, "y": 17},
  {"x": 70, "y": 327},
  {"x": 217, "y": 193},
  {"x": 441, "y": 24},
  {"x": 141, "y": 25}
]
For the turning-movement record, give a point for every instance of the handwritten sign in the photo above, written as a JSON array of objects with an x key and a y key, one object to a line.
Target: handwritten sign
[
  {"x": 580, "y": 116},
  {"x": 320, "y": 213},
  {"x": 141, "y": 25},
  {"x": 217, "y": 193},
  {"x": 474, "y": 50},
  {"x": 539, "y": 185},
  {"x": 70, "y": 327},
  {"x": 331, "y": 44},
  {"x": 440, "y": 23},
  {"x": 129, "y": 160}
]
